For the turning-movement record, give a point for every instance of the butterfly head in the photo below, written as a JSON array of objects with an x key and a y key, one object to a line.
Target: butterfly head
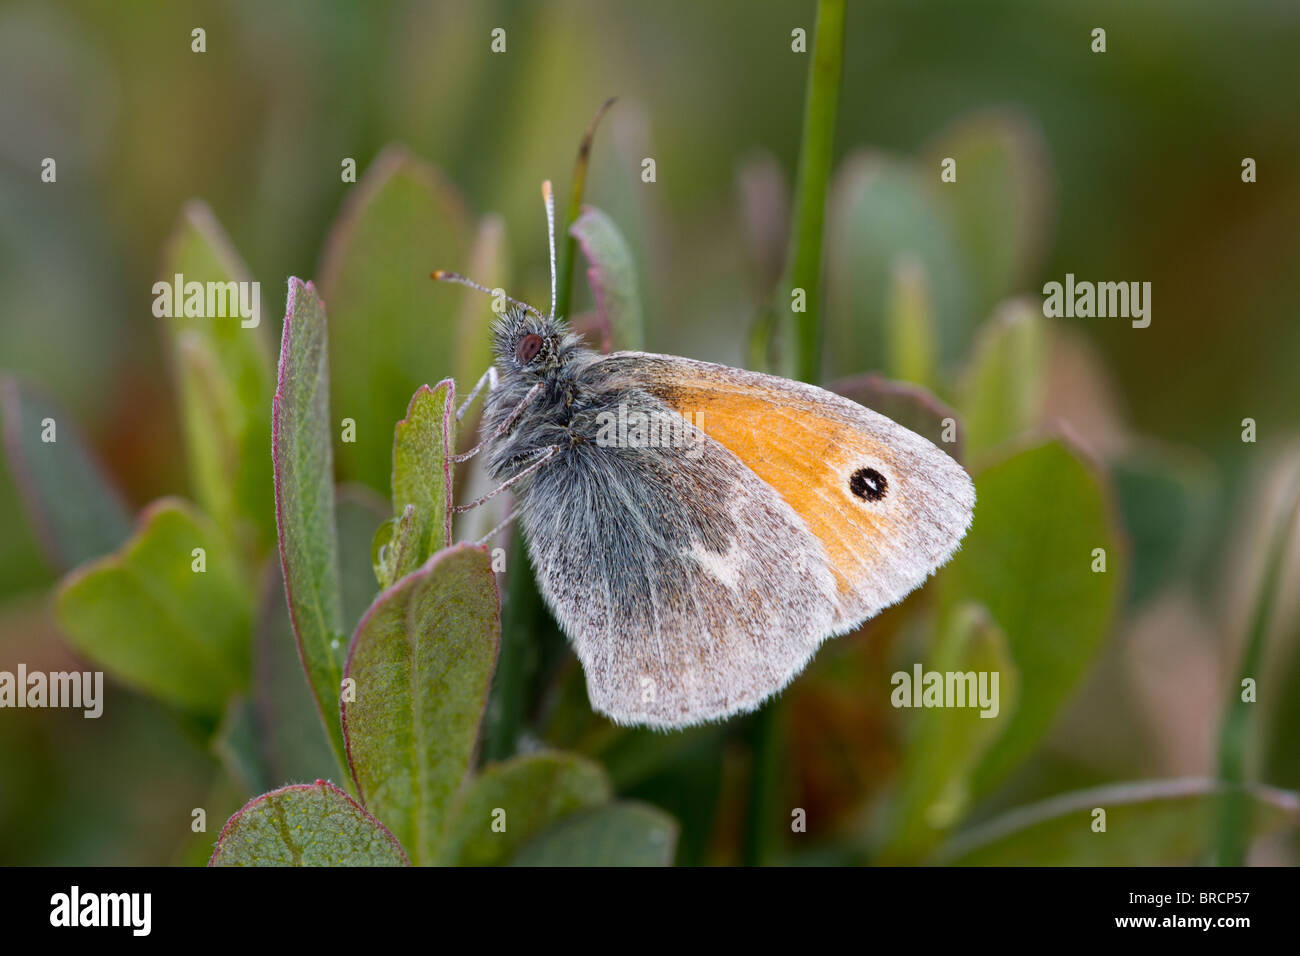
[{"x": 528, "y": 343}]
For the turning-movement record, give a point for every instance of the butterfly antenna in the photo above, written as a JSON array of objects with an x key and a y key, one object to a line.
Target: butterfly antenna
[
  {"x": 442, "y": 275},
  {"x": 549, "y": 198}
]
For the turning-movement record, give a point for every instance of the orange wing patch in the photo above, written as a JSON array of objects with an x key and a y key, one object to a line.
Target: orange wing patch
[{"x": 810, "y": 455}]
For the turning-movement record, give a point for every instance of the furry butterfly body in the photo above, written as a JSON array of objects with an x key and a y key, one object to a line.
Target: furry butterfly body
[{"x": 697, "y": 577}]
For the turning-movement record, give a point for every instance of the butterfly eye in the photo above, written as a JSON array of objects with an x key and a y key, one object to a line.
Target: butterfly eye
[
  {"x": 528, "y": 348},
  {"x": 868, "y": 484}
]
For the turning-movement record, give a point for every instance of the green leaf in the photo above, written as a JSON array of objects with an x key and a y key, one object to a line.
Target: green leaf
[
  {"x": 223, "y": 375},
  {"x": 946, "y": 743},
  {"x": 1028, "y": 558},
  {"x": 612, "y": 274},
  {"x": 75, "y": 510},
  {"x": 306, "y": 825},
  {"x": 620, "y": 834},
  {"x": 1150, "y": 823},
  {"x": 510, "y": 802},
  {"x": 423, "y": 444},
  {"x": 909, "y": 324},
  {"x": 1000, "y": 205},
  {"x": 421, "y": 660},
  {"x": 393, "y": 328},
  {"x": 1001, "y": 393},
  {"x": 151, "y": 621},
  {"x": 882, "y": 215},
  {"x": 304, "y": 501},
  {"x": 569, "y": 251},
  {"x": 1167, "y": 499}
]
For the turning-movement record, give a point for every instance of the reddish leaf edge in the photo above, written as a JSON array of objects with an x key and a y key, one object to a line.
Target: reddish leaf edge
[
  {"x": 449, "y": 410},
  {"x": 319, "y": 784},
  {"x": 296, "y": 287},
  {"x": 424, "y": 571}
]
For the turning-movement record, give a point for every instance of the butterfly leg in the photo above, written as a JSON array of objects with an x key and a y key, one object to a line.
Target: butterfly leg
[
  {"x": 514, "y": 513},
  {"x": 504, "y": 426},
  {"x": 543, "y": 456},
  {"x": 489, "y": 378}
]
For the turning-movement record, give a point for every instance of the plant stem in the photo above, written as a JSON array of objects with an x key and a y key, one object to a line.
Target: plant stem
[
  {"x": 1235, "y": 734},
  {"x": 804, "y": 263},
  {"x": 761, "y": 826},
  {"x": 765, "y": 823},
  {"x": 569, "y": 260}
]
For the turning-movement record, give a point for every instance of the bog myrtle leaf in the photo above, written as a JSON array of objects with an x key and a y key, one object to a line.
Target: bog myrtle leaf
[
  {"x": 391, "y": 326},
  {"x": 1148, "y": 823},
  {"x": 1000, "y": 205},
  {"x": 611, "y": 271},
  {"x": 619, "y": 834},
  {"x": 223, "y": 376},
  {"x": 881, "y": 215},
  {"x": 304, "y": 501},
  {"x": 421, "y": 660},
  {"x": 1001, "y": 393},
  {"x": 945, "y": 743},
  {"x": 510, "y": 802},
  {"x": 306, "y": 825},
  {"x": 75, "y": 510},
  {"x": 1040, "y": 516},
  {"x": 910, "y": 338},
  {"x": 422, "y": 470},
  {"x": 151, "y": 619},
  {"x": 910, "y": 405}
]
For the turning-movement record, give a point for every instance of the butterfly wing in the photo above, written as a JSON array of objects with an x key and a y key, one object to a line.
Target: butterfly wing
[
  {"x": 697, "y": 581},
  {"x": 887, "y": 505}
]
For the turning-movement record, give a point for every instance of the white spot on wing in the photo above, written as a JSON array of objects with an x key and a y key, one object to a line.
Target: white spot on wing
[{"x": 725, "y": 567}]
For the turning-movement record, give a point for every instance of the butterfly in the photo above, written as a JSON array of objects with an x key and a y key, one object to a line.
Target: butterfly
[{"x": 697, "y": 530}]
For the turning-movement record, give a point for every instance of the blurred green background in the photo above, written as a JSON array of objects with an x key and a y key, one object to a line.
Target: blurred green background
[{"x": 1122, "y": 166}]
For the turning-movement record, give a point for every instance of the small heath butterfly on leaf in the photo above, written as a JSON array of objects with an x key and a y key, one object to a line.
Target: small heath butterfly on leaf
[{"x": 697, "y": 530}]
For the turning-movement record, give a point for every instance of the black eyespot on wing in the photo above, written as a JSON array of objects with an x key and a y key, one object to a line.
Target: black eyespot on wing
[
  {"x": 868, "y": 484},
  {"x": 528, "y": 348}
]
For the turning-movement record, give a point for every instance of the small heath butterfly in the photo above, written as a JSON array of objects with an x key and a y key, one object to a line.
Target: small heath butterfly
[{"x": 698, "y": 530}]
